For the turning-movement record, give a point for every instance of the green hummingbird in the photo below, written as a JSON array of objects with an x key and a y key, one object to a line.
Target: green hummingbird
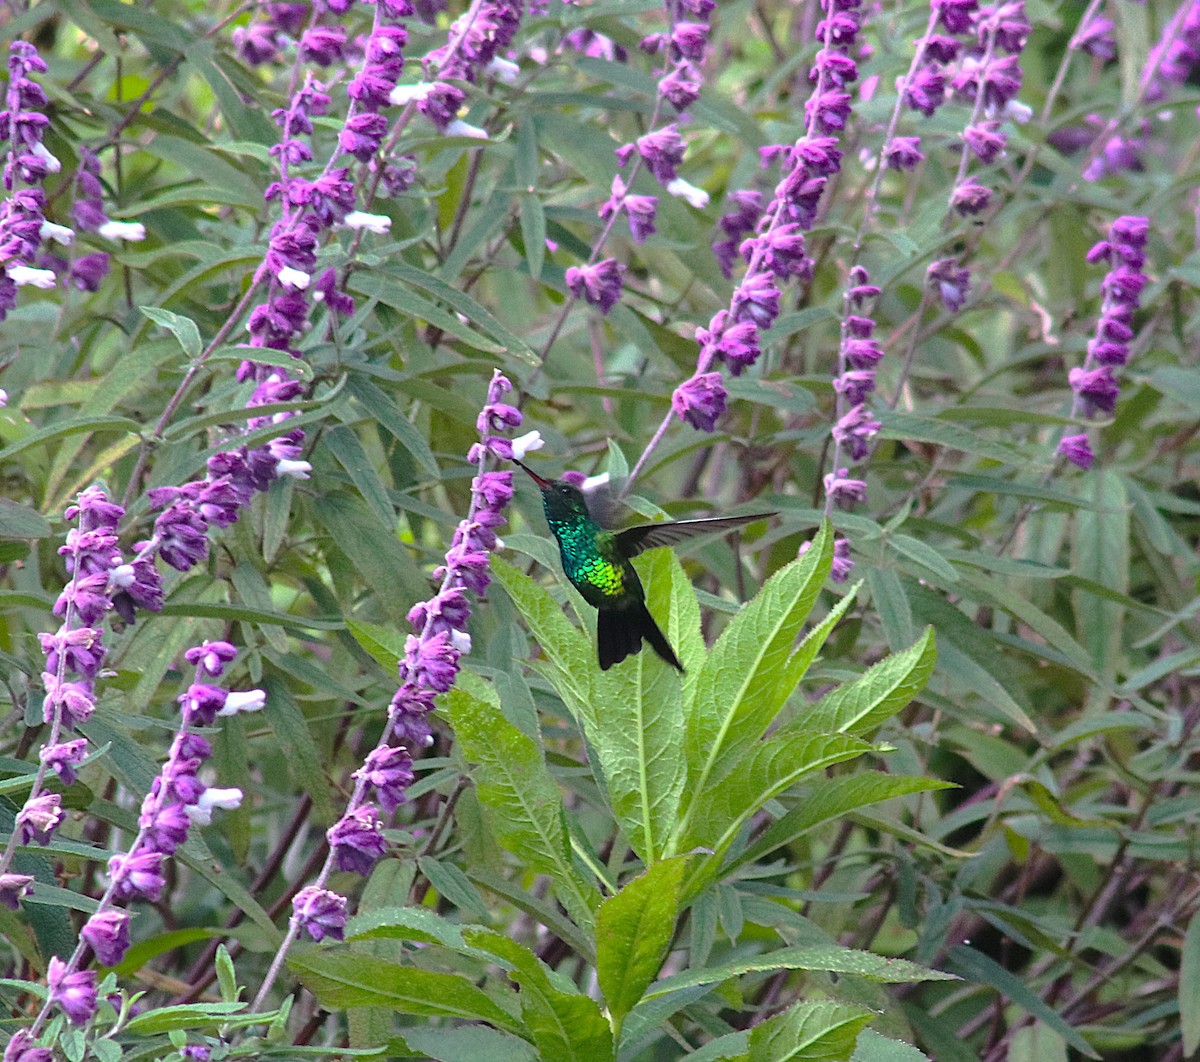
[{"x": 596, "y": 561}]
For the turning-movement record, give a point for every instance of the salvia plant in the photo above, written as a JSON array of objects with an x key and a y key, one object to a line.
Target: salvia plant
[{"x": 306, "y": 751}]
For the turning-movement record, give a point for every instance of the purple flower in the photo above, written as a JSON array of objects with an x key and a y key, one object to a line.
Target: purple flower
[
  {"x": 700, "y": 400},
  {"x": 955, "y": 15},
  {"x": 970, "y": 197},
  {"x": 39, "y": 818},
  {"x": 986, "y": 141},
  {"x": 64, "y": 758},
  {"x": 662, "y": 151},
  {"x": 201, "y": 703},
  {"x": 599, "y": 284},
  {"x": 1095, "y": 388},
  {"x": 13, "y": 888},
  {"x": 925, "y": 91},
  {"x": 842, "y": 564},
  {"x": 441, "y": 104},
  {"x": 843, "y": 491},
  {"x": 734, "y": 342},
  {"x": 107, "y": 933},
  {"x": 903, "y": 153},
  {"x": 448, "y": 609},
  {"x": 1007, "y": 23},
  {"x": 681, "y": 87},
  {"x": 756, "y": 299},
  {"x": 74, "y": 992},
  {"x": 22, "y": 1048},
  {"x": 1096, "y": 37},
  {"x": 357, "y": 840},
  {"x": 1077, "y": 449},
  {"x": 320, "y": 913},
  {"x": 640, "y": 209},
  {"x": 389, "y": 770},
  {"x": 782, "y": 250},
  {"x": 362, "y": 135},
  {"x": 322, "y": 44},
  {"x": 855, "y": 429},
  {"x": 139, "y": 875},
  {"x": 430, "y": 662},
  {"x": 953, "y": 283},
  {"x": 211, "y": 656},
  {"x": 689, "y": 40}
]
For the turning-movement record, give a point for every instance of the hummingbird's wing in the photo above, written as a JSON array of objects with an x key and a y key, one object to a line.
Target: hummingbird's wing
[{"x": 634, "y": 540}]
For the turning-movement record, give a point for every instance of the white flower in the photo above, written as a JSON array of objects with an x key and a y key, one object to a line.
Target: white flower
[
  {"x": 3, "y": 398},
  {"x": 592, "y": 482},
  {"x": 503, "y": 70},
  {"x": 243, "y": 701},
  {"x": 121, "y": 576},
  {"x": 201, "y": 812},
  {"x": 696, "y": 197},
  {"x": 526, "y": 443},
  {"x": 296, "y": 469},
  {"x": 23, "y": 275},
  {"x": 403, "y": 94},
  {"x": 460, "y": 128},
  {"x": 293, "y": 278},
  {"x": 57, "y": 233},
  {"x": 123, "y": 230},
  {"x": 52, "y": 164},
  {"x": 461, "y": 641},
  {"x": 379, "y": 224},
  {"x": 1017, "y": 112}
]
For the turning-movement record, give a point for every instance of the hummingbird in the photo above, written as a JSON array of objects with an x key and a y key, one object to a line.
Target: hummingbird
[{"x": 597, "y": 563}]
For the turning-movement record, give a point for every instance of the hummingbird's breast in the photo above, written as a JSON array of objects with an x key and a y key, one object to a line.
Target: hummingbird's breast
[{"x": 594, "y": 566}]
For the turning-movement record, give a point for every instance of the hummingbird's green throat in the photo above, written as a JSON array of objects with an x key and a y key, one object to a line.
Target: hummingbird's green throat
[{"x": 597, "y": 563}]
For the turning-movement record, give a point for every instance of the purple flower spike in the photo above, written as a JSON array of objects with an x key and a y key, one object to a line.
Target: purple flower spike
[
  {"x": 107, "y": 933},
  {"x": 74, "y": 992},
  {"x": 1096, "y": 388},
  {"x": 1078, "y": 450},
  {"x": 357, "y": 840},
  {"x": 599, "y": 284},
  {"x": 320, "y": 913},
  {"x": 700, "y": 400}
]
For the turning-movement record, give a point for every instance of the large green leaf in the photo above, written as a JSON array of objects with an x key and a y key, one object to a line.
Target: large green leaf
[
  {"x": 522, "y": 800},
  {"x": 739, "y": 689},
  {"x": 563, "y": 1023},
  {"x": 1100, "y": 552},
  {"x": 634, "y": 930},
  {"x": 860, "y": 706},
  {"x": 817, "y": 1031},
  {"x": 344, "y": 980}
]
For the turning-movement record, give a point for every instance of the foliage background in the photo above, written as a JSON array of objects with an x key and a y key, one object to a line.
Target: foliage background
[{"x": 1057, "y": 881}]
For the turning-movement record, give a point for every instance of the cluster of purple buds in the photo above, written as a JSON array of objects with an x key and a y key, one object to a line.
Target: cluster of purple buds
[
  {"x": 858, "y": 356},
  {"x": 1095, "y": 384},
  {"x": 1176, "y": 54},
  {"x": 263, "y": 41},
  {"x": 684, "y": 47},
  {"x": 371, "y": 88},
  {"x": 22, "y": 215},
  {"x": 842, "y": 563},
  {"x": 925, "y": 91},
  {"x": 476, "y": 41}
]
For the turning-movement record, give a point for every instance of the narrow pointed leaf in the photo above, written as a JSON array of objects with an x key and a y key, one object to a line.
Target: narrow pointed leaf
[
  {"x": 523, "y": 803},
  {"x": 634, "y": 929},
  {"x": 860, "y": 706}
]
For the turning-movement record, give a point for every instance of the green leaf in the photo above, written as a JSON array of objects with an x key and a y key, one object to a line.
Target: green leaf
[
  {"x": 19, "y": 521},
  {"x": 523, "y": 802},
  {"x": 860, "y": 706},
  {"x": 64, "y": 429},
  {"x": 762, "y": 773},
  {"x": 182, "y": 328},
  {"x": 1189, "y": 987},
  {"x": 564, "y": 1024},
  {"x": 468, "y": 1044},
  {"x": 634, "y": 930},
  {"x": 183, "y": 1016},
  {"x": 406, "y": 923},
  {"x": 813, "y": 1031},
  {"x": 345, "y": 980},
  {"x": 348, "y": 451},
  {"x": 827, "y": 958},
  {"x": 294, "y": 738},
  {"x": 926, "y": 556},
  {"x": 380, "y": 405},
  {"x": 871, "y": 1047},
  {"x": 1100, "y": 552},
  {"x": 975, "y": 966},
  {"x": 909, "y": 427},
  {"x": 739, "y": 689},
  {"x": 831, "y": 799},
  {"x": 635, "y": 721},
  {"x": 566, "y": 648}
]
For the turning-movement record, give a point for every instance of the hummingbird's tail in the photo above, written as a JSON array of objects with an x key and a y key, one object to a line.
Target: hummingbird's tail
[{"x": 619, "y": 632}]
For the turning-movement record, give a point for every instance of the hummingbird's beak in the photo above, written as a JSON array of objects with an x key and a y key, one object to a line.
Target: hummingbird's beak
[{"x": 544, "y": 484}]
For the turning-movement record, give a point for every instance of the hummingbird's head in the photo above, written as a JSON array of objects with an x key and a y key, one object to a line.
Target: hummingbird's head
[{"x": 560, "y": 499}]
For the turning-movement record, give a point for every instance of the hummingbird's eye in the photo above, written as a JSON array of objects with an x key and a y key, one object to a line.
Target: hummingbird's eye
[{"x": 564, "y": 489}]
